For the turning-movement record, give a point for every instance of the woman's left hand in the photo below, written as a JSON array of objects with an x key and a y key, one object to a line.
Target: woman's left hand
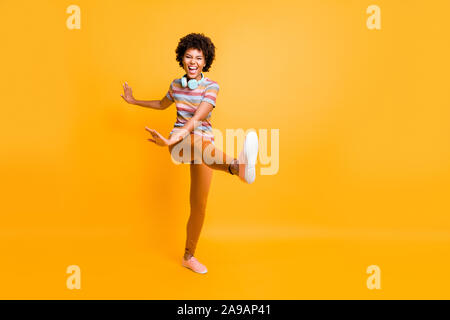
[
  {"x": 178, "y": 135},
  {"x": 158, "y": 139}
]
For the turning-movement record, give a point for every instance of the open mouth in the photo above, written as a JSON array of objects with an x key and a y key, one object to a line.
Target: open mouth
[{"x": 192, "y": 70}]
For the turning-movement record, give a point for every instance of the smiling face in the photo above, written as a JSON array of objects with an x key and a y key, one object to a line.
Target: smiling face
[{"x": 193, "y": 63}]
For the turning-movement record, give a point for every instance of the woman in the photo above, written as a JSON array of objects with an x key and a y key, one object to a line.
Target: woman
[{"x": 192, "y": 138}]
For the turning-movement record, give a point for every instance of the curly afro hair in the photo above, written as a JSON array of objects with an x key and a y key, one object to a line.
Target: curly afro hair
[{"x": 200, "y": 42}]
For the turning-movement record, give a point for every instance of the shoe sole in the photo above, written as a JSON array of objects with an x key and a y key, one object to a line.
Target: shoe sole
[
  {"x": 194, "y": 270},
  {"x": 251, "y": 153}
]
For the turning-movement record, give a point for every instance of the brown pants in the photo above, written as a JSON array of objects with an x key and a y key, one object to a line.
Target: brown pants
[{"x": 203, "y": 159}]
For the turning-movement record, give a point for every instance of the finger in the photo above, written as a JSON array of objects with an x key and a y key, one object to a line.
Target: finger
[
  {"x": 157, "y": 133},
  {"x": 160, "y": 137},
  {"x": 154, "y": 141}
]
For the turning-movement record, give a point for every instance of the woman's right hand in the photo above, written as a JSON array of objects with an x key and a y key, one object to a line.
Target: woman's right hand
[{"x": 128, "y": 94}]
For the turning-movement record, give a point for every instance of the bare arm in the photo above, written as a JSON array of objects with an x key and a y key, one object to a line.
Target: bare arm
[
  {"x": 162, "y": 104},
  {"x": 180, "y": 133},
  {"x": 200, "y": 114}
]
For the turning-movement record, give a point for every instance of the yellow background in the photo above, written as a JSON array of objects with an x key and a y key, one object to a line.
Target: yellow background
[{"x": 364, "y": 151}]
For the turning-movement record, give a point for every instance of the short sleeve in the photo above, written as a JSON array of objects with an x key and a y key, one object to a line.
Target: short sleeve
[
  {"x": 169, "y": 93},
  {"x": 210, "y": 94}
]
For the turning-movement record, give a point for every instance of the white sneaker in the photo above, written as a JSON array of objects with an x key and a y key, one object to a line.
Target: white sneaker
[{"x": 247, "y": 158}]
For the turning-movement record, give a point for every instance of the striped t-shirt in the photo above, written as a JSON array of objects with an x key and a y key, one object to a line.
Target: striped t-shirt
[{"x": 188, "y": 100}]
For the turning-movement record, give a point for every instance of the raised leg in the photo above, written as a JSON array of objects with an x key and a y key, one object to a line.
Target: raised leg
[{"x": 203, "y": 151}]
